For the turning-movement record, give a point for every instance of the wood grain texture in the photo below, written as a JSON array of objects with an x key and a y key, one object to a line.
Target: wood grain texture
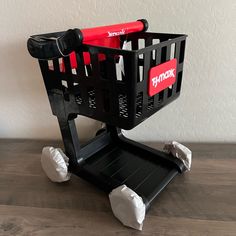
[{"x": 201, "y": 202}]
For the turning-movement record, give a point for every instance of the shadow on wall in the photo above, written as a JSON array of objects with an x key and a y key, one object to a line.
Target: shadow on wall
[{"x": 27, "y": 102}]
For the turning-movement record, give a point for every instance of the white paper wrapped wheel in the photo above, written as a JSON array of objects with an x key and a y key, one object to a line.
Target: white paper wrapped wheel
[
  {"x": 181, "y": 152},
  {"x": 55, "y": 164},
  {"x": 128, "y": 207}
]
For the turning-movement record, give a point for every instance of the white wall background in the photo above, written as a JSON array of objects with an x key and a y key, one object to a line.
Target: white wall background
[{"x": 206, "y": 111}]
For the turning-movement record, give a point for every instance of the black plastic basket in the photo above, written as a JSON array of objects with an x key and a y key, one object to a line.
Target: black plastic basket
[{"x": 97, "y": 91}]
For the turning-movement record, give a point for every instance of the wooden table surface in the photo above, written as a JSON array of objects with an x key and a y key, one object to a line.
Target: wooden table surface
[{"x": 201, "y": 202}]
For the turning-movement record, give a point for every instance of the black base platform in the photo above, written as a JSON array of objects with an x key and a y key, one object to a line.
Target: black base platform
[{"x": 111, "y": 160}]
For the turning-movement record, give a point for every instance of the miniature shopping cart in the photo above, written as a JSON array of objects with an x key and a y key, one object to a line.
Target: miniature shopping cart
[{"x": 119, "y": 75}]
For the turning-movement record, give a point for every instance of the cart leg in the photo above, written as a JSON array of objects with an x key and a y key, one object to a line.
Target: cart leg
[
  {"x": 114, "y": 131},
  {"x": 70, "y": 140}
]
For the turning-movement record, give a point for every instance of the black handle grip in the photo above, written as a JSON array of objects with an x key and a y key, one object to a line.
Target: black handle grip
[{"x": 55, "y": 45}]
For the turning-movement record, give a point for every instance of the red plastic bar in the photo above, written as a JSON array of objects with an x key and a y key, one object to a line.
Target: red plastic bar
[
  {"x": 106, "y": 36},
  {"x": 100, "y": 32}
]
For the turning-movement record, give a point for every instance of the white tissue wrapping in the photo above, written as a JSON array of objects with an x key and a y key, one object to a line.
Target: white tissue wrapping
[
  {"x": 55, "y": 164},
  {"x": 128, "y": 207},
  {"x": 181, "y": 152}
]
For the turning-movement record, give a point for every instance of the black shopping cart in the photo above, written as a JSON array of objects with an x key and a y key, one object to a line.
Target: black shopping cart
[{"x": 119, "y": 75}]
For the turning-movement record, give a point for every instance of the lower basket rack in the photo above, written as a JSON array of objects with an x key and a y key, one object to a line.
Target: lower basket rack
[{"x": 111, "y": 160}]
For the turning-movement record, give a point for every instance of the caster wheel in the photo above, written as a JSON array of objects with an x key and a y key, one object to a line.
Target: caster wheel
[
  {"x": 181, "y": 152},
  {"x": 55, "y": 164}
]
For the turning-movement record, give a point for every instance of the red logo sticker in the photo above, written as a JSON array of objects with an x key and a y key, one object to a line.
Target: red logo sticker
[{"x": 161, "y": 77}]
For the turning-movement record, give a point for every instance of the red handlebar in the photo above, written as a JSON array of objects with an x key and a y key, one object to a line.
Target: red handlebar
[
  {"x": 54, "y": 45},
  {"x": 112, "y": 30}
]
